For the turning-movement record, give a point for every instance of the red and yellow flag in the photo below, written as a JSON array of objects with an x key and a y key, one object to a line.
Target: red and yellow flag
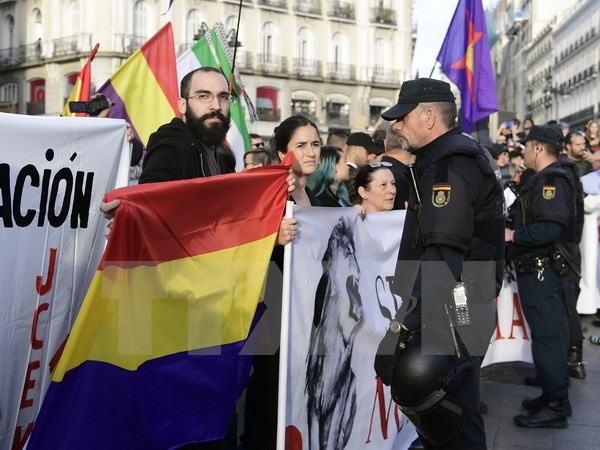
[{"x": 81, "y": 90}]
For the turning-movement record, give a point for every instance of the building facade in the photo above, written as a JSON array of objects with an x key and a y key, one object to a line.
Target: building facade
[
  {"x": 548, "y": 60},
  {"x": 339, "y": 62}
]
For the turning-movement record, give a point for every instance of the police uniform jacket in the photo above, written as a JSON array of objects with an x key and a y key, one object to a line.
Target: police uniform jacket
[
  {"x": 460, "y": 218},
  {"x": 544, "y": 213}
]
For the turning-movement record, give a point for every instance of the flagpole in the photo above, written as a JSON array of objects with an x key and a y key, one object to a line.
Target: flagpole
[
  {"x": 235, "y": 46},
  {"x": 432, "y": 69}
]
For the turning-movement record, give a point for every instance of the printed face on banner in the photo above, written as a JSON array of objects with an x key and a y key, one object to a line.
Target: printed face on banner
[{"x": 337, "y": 321}]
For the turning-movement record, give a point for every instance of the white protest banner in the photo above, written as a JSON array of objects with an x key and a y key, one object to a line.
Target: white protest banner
[
  {"x": 54, "y": 172},
  {"x": 340, "y": 304},
  {"x": 334, "y": 399}
]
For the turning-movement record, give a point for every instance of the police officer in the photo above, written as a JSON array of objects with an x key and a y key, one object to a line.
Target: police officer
[
  {"x": 449, "y": 271},
  {"x": 575, "y": 366},
  {"x": 543, "y": 213}
]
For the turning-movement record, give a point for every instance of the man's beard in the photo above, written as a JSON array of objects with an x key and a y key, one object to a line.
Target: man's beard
[{"x": 211, "y": 135}]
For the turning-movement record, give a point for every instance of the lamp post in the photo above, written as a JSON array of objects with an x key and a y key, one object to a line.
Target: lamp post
[{"x": 551, "y": 95}]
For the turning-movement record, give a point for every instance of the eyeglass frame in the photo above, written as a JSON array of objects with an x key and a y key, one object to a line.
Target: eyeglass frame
[{"x": 210, "y": 97}]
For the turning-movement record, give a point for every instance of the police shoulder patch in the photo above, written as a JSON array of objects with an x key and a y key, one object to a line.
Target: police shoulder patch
[
  {"x": 440, "y": 195},
  {"x": 548, "y": 192}
]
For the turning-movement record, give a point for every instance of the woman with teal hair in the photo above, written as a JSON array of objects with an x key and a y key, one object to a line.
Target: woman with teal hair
[{"x": 328, "y": 182}]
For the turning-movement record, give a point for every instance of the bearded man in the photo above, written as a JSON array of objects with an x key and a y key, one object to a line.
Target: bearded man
[{"x": 193, "y": 146}]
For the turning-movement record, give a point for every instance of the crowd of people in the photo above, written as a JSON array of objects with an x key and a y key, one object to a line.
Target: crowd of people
[{"x": 453, "y": 190}]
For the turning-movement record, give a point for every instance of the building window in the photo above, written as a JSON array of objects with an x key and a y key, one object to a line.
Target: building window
[
  {"x": 379, "y": 58},
  {"x": 9, "y": 92},
  {"x": 9, "y": 38},
  {"x": 192, "y": 25},
  {"x": 140, "y": 24},
  {"x": 268, "y": 43},
  {"x": 36, "y": 19},
  {"x": 304, "y": 47},
  {"x": 306, "y": 108},
  {"x": 267, "y": 105},
  {"x": 376, "y": 107},
  {"x": 304, "y": 103},
  {"x": 74, "y": 17}
]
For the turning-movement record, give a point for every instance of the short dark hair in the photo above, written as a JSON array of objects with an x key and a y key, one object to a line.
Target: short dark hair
[
  {"x": 338, "y": 132},
  {"x": 184, "y": 88},
  {"x": 254, "y": 136},
  {"x": 551, "y": 149},
  {"x": 259, "y": 156}
]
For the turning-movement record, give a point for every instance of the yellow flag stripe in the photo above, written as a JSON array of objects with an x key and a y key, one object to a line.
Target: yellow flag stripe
[
  {"x": 134, "y": 315},
  {"x": 145, "y": 100}
]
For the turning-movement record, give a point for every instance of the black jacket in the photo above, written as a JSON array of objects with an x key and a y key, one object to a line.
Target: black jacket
[
  {"x": 174, "y": 153},
  {"x": 460, "y": 220}
]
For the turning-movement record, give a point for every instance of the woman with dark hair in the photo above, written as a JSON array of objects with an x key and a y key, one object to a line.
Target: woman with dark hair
[
  {"x": 328, "y": 183},
  {"x": 374, "y": 188},
  {"x": 299, "y": 135}
]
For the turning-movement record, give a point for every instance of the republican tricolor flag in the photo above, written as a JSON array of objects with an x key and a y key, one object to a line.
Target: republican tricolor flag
[
  {"x": 81, "y": 88},
  {"x": 153, "y": 360},
  {"x": 144, "y": 89}
]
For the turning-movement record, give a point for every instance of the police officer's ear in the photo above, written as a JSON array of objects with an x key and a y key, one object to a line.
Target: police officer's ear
[{"x": 430, "y": 117}]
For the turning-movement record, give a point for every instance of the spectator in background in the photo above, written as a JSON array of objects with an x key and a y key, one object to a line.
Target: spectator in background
[
  {"x": 564, "y": 128},
  {"x": 527, "y": 124},
  {"x": 257, "y": 158},
  {"x": 593, "y": 134},
  {"x": 256, "y": 140},
  {"x": 575, "y": 145},
  {"x": 500, "y": 154},
  {"x": 397, "y": 154},
  {"x": 374, "y": 188},
  {"x": 357, "y": 154},
  {"x": 338, "y": 138},
  {"x": 328, "y": 183}
]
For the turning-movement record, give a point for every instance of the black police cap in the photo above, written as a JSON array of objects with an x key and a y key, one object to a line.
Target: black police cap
[
  {"x": 544, "y": 133},
  {"x": 413, "y": 92}
]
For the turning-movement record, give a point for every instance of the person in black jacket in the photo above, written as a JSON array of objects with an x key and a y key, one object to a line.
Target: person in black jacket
[
  {"x": 450, "y": 268},
  {"x": 397, "y": 154},
  {"x": 544, "y": 223},
  {"x": 193, "y": 146}
]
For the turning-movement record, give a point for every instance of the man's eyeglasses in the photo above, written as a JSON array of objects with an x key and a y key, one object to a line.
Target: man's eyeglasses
[
  {"x": 258, "y": 144},
  {"x": 207, "y": 97},
  {"x": 380, "y": 164}
]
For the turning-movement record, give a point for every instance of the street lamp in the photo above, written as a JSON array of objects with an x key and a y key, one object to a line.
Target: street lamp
[{"x": 551, "y": 96}]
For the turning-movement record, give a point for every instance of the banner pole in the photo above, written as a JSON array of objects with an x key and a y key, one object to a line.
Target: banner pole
[{"x": 284, "y": 338}]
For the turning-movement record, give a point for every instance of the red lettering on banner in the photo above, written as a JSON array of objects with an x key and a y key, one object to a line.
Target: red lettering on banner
[
  {"x": 44, "y": 288},
  {"x": 20, "y": 441},
  {"x": 498, "y": 333},
  {"x": 29, "y": 384},
  {"x": 36, "y": 343},
  {"x": 520, "y": 322},
  {"x": 383, "y": 416}
]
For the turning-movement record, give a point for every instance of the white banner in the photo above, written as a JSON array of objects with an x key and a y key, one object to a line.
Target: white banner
[
  {"x": 54, "y": 172},
  {"x": 339, "y": 312}
]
